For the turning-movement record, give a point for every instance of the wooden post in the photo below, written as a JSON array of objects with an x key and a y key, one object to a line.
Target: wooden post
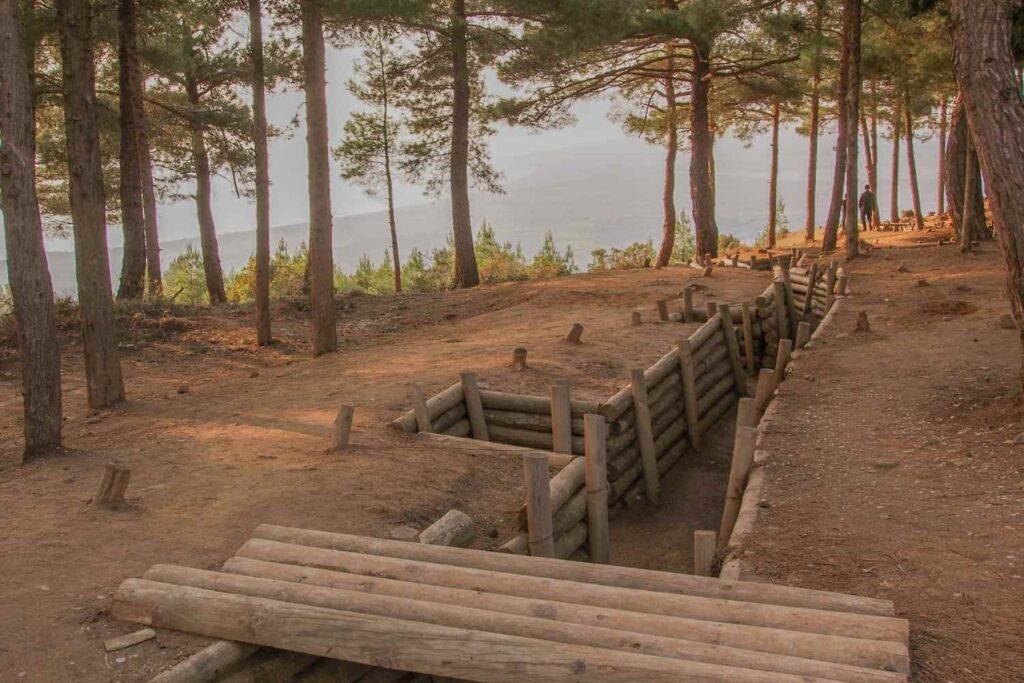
[
  {"x": 748, "y": 338},
  {"x": 645, "y": 435},
  {"x": 113, "y": 484},
  {"x": 841, "y": 284},
  {"x": 794, "y": 317},
  {"x": 342, "y": 427},
  {"x": 575, "y": 335},
  {"x": 812, "y": 278},
  {"x": 733, "y": 346},
  {"x": 709, "y": 266},
  {"x": 662, "y": 310},
  {"x": 712, "y": 308},
  {"x": 474, "y": 406},
  {"x": 594, "y": 432},
  {"x": 765, "y": 387},
  {"x": 746, "y": 413},
  {"x": 781, "y": 314},
  {"x": 830, "y": 284},
  {"x": 519, "y": 358},
  {"x": 538, "y": 505},
  {"x": 689, "y": 392},
  {"x": 419, "y": 409},
  {"x": 782, "y": 360},
  {"x": 561, "y": 417},
  {"x": 742, "y": 462},
  {"x": 803, "y": 333},
  {"x": 634, "y": 318},
  {"x": 687, "y": 305},
  {"x": 703, "y": 552}
]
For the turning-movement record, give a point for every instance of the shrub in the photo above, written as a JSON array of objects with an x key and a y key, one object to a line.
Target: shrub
[
  {"x": 636, "y": 255},
  {"x": 498, "y": 262},
  {"x": 728, "y": 242},
  {"x": 548, "y": 262},
  {"x": 685, "y": 246},
  {"x": 185, "y": 279}
]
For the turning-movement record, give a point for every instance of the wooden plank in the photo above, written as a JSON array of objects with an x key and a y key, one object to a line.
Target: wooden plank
[{"x": 127, "y": 640}]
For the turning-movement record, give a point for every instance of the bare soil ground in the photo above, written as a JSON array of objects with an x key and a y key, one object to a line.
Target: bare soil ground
[
  {"x": 897, "y": 460},
  {"x": 245, "y": 445}
]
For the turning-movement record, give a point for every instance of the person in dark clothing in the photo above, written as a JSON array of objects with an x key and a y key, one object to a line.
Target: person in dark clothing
[{"x": 866, "y": 204}]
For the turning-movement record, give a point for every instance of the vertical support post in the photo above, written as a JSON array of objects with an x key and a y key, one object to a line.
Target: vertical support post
[
  {"x": 687, "y": 305},
  {"x": 112, "y": 486},
  {"x": 781, "y": 314},
  {"x": 474, "y": 406},
  {"x": 561, "y": 417},
  {"x": 712, "y": 308},
  {"x": 812, "y": 279},
  {"x": 794, "y": 316},
  {"x": 519, "y": 358},
  {"x": 803, "y": 333},
  {"x": 782, "y": 360},
  {"x": 746, "y": 413},
  {"x": 645, "y": 435},
  {"x": 830, "y": 284},
  {"x": 419, "y": 409},
  {"x": 342, "y": 427},
  {"x": 595, "y": 450},
  {"x": 748, "y": 338},
  {"x": 662, "y": 310},
  {"x": 703, "y": 552},
  {"x": 689, "y": 392},
  {"x": 742, "y": 462},
  {"x": 841, "y": 284},
  {"x": 634, "y": 318},
  {"x": 733, "y": 346},
  {"x": 538, "y": 505},
  {"x": 765, "y": 387}
]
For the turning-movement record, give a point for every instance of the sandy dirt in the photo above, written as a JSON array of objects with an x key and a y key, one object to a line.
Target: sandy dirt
[{"x": 245, "y": 445}]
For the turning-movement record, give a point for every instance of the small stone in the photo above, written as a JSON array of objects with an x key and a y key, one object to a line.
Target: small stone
[
  {"x": 763, "y": 503},
  {"x": 404, "y": 533},
  {"x": 183, "y": 388},
  {"x": 93, "y": 419},
  {"x": 902, "y": 268}
]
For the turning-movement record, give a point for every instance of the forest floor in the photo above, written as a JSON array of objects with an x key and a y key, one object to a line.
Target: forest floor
[{"x": 897, "y": 475}]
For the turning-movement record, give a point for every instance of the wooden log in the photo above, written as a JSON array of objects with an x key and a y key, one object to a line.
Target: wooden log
[
  {"x": 841, "y": 284},
  {"x": 207, "y": 665},
  {"x": 803, "y": 333},
  {"x": 538, "y": 505},
  {"x": 733, "y": 348},
  {"x": 748, "y": 337},
  {"x": 569, "y": 515},
  {"x": 419, "y": 409},
  {"x": 782, "y": 360},
  {"x": 781, "y": 314},
  {"x": 765, "y": 388},
  {"x": 561, "y": 418},
  {"x": 715, "y": 393},
  {"x": 711, "y": 378},
  {"x": 597, "y": 489},
  {"x": 448, "y": 419},
  {"x": 561, "y": 488},
  {"x": 645, "y": 435},
  {"x": 623, "y": 577},
  {"x": 662, "y": 310},
  {"x": 273, "y": 667},
  {"x": 436, "y": 405},
  {"x": 703, "y": 333},
  {"x": 530, "y": 421},
  {"x": 569, "y": 542},
  {"x": 739, "y": 471},
  {"x": 575, "y": 334},
  {"x": 689, "y": 391},
  {"x": 529, "y": 438},
  {"x": 540, "y": 405},
  {"x": 812, "y": 279},
  {"x": 746, "y": 413},
  {"x": 474, "y": 406},
  {"x": 661, "y": 369},
  {"x": 453, "y": 528},
  {"x": 555, "y": 460},
  {"x": 703, "y": 552},
  {"x": 634, "y": 318},
  {"x": 460, "y": 429},
  {"x": 128, "y": 640},
  {"x": 341, "y": 427},
  {"x": 688, "y": 305},
  {"x": 711, "y": 309},
  {"x": 791, "y": 308},
  {"x": 710, "y": 356},
  {"x": 519, "y": 358},
  {"x": 112, "y": 485}
]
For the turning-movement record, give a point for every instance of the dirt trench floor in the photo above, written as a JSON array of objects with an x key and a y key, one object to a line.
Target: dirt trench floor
[
  {"x": 222, "y": 436},
  {"x": 896, "y": 464}
]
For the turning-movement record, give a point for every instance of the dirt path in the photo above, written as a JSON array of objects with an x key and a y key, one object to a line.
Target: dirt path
[
  {"x": 245, "y": 446},
  {"x": 896, "y": 462}
]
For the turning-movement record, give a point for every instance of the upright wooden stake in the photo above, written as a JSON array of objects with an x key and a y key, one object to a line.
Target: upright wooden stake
[
  {"x": 645, "y": 435},
  {"x": 561, "y": 417},
  {"x": 113, "y": 484},
  {"x": 733, "y": 346},
  {"x": 342, "y": 427},
  {"x": 474, "y": 406},
  {"x": 703, "y": 552},
  {"x": 812, "y": 279},
  {"x": 575, "y": 335},
  {"x": 748, "y": 338},
  {"x": 794, "y": 317},
  {"x": 782, "y": 360},
  {"x": 689, "y": 392},
  {"x": 746, "y": 413},
  {"x": 419, "y": 409},
  {"x": 781, "y": 314},
  {"x": 634, "y": 318},
  {"x": 765, "y": 387},
  {"x": 662, "y": 310},
  {"x": 841, "y": 284},
  {"x": 538, "y": 505},
  {"x": 594, "y": 432},
  {"x": 742, "y": 462},
  {"x": 712, "y": 308},
  {"x": 519, "y": 358},
  {"x": 803, "y": 333},
  {"x": 830, "y": 284},
  {"x": 687, "y": 305}
]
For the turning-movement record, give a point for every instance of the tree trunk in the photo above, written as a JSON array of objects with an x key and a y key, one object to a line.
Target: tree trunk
[
  {"x": 204, "y": 200},
  {"x": 29, "y": 277},
  {"x": 133, "y": 220},
  {"x": 773, "y": 179},
  {"x": 984, "y": 68},
  {"x": 876, "y": 217},
  {"x": 851, "y": 34},
  {"x": 813, "y": 131},
  {"x": 396, "y": 258},
  {"x": 259, "y": 136},
  {"x": 894, "y": 189},
  {"x": 321, "y": 221},
  {"x": 915, "y": 193},
  {"x": 943, "y": 124},
  {"x": 466, "y": 273},
  {"x": 871, "y": 163},
  {"x": 969, "y": 217},
  {"x": 957, "y": 141},
  {"x": 844, "y": 128},
  {"x": 104, "y": 383},
  {"x": 153, "y": 272},
  {"x": 668, "y": 200},
  {"x": 701, "y": 190}
]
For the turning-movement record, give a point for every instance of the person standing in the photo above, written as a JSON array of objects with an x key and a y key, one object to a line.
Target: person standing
[{"x": 866, "y": 204}]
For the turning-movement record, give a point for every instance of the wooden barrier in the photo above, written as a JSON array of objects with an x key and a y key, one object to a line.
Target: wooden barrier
[
  {"x": 597, "y": 489},
  {"x": 538, "y": 505},
  {"x": 645, "y": 435}
]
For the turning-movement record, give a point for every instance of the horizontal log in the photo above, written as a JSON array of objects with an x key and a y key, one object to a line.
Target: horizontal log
[
  {"x": 500, "y": 400},
  {"x": 529, "y": 438},
  {"x": 555, "y": 460},
  {"x": 533, "y": 421},
  {"x": 718, "y": 410},
  {"x": 666, "y": 461},
  {"x": 448, "y": 419},
  {"x": 709, "y": 400},
  {"x": 461, "y": 429},
  {"x": 719, "y": 355},
  {"x": 704, "y": 333},
  {"x": 625, "y": 577},
  {"x": 569, "y": 515},
  {"x": 562, "y": 486},
  {"x": 631, "y": 477},
  {"x": 436, "y": 405},
  {"x": 570, "y": 541},
  {"x": 711, "y": 378}
]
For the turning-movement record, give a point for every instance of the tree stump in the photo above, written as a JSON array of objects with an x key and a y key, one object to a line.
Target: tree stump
[
  {"x": 575, "y": 335},
  {"x": 342, "y": 427},
  {"x": 862, "y": 322},
  {"x": 519, "y": 358},
  {"x": 634, "y": 318},
  {"x": 662, "y": 310},
  {"x": 113, "y": 484}
]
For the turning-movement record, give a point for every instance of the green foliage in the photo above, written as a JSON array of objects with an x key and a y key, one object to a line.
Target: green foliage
[
  {"x": 287, "y": 275},
  {"x": 185, "y": 280},
  {"x": 782, "y": 227},
  {"x": 548, "y": 262},
  {"x": 636, "y": 255},
  {"x": 728, "y": 242},
  {"x": 684, "y": 248},
  {"x": 498, "y": 262}
]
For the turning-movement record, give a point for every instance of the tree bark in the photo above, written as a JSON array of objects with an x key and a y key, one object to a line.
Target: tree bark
[
  {"x": 943, "y": 125},
  {"x": 466, "y": 273},
  {"x": 851, "y": 34},
  {"x": 813, "y": 133},
  {"x": 984, "y": 67},
  {"x": 894, "y": 188},
  {"x": 876, "y": 216},
  {"x": 915, "y": 193},
  {"x": 396, "y": 257},
  {"x": 870, "y": 163},
  {"x": 321, "y": 221},
  {"x": 29, "y": 277},
  {"x": 104, "y": 382},
  {"x": 701, "y": 187},
  {"x": 958, "y": 138},
  {"x": 844, "y": 127},
  {"x": 259, "y": 135},
  {"x": 773, "y": 179},
  {"x": 668, "y": 199},
  {"x": 153, "y": 272},
  {"x": 970, "y": 204},
  {"x": 204, "y": 199},
  {"x": 133, "y": 220}
]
